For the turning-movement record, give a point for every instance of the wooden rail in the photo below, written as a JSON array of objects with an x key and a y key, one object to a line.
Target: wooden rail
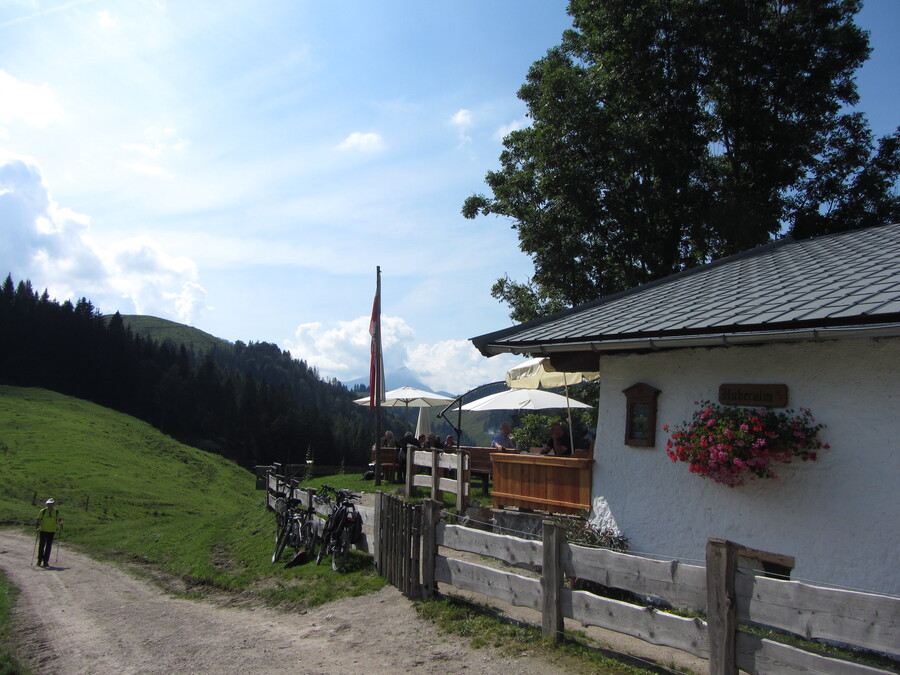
[
  {"x": 480, "y": 464},
  {"x": 437, "y": 481},
  {"x": 544, "y": 482},
  {"x": 727, "y": 594},
  {"x": 277, "y": 486}
]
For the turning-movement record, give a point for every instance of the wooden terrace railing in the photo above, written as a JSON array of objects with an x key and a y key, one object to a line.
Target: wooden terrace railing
[{"x": 543, "y": 482}]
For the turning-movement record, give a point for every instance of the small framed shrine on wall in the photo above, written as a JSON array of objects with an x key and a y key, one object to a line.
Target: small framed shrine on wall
[{"x": 640, "y": 415}]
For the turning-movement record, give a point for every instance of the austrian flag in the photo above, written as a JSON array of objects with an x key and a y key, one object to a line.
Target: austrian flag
[{"x": 376, "y": 366}]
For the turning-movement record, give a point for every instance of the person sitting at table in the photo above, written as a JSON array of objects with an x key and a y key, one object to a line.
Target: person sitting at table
[
  {"x": 556, "y": 443},
  {"x": 503, "y": 441},
  {"x": 449, "y": 443},
  {"x": 434, "y": 442}
]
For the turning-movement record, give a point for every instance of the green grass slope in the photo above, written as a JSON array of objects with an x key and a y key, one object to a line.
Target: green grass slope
[
  {"x": 160, "y": 330},
  {"x": 127, "y": 491}
]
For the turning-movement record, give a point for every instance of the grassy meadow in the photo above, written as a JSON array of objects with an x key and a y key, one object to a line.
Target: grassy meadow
[
  {"x": 128, "y": 492},
  {"x": 131, "y": 494}
]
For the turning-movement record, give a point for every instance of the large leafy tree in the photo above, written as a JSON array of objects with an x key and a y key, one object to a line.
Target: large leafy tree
[{"x": 668, "y": 132}]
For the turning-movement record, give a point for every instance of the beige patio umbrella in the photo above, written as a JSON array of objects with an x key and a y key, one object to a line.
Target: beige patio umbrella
[{"x": 539, "y": 373}]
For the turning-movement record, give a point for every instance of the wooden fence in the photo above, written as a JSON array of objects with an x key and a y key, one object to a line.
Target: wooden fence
[
  {"x": 438, "y": 482},
  {"x": 277, "y": 486},
  {"x": 728, "y": 596},
  {"x": 398, "y": 543}
]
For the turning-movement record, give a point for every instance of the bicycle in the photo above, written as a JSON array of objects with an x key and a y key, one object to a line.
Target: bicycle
[
  {"x": 294, "y": 527},
  {"x": 342, "y": 528}
]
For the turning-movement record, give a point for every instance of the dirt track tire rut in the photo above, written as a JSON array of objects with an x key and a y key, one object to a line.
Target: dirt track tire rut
[{"x": 83, "y": 616}]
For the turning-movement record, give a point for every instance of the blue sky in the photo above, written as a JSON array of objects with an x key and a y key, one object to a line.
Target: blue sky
[{"x": 243, "y": 167}]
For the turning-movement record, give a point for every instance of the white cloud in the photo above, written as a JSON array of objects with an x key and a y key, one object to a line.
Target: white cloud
[
  {"x": 456, "y": 366},
  {"x": 158, "y": 143},
  {"x": 53, "y": 247},
  {"x": 504, "y": 130},
  {"x": 342, "y": 351},
  {"x": 362, "y": 142},
  {"x": 106, "y": 19},
  {"x": 462, "y": 120},
  {"x": 34, "y": 105},
  {"x": 146, "y": 168},
  {"x": 158, "y": 140},
  {"x": 190, "y": 303}
]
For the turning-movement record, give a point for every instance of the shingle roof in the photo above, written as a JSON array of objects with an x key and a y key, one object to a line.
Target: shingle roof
[{"x": 850, "y": 278}]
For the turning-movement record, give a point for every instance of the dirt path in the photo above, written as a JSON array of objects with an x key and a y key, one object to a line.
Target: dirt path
[{"x": 84, "y": 616}]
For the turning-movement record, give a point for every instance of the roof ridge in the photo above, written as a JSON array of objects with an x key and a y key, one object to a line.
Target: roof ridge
[{"x": 786, "y": 268}]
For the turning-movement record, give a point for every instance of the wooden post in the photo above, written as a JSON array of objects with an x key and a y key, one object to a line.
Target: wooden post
[
  {"x": 436, "y": 493},
  {"x": 721, "y": 608},
  {"x": 461, "y": 483},
  {"x": 431, "y": 516},
  {"x": 415, "y": 584},
  {"x": 377, "y": 534},
  {"x": 410, "y": 470},
  {"x": 553, "y": 622}
]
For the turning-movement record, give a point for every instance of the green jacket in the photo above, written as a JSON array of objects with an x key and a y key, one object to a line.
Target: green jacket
[{"x": 48, "y": 519}]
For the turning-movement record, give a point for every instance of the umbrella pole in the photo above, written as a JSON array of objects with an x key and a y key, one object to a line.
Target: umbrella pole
[{"x": 569, "y": 411}]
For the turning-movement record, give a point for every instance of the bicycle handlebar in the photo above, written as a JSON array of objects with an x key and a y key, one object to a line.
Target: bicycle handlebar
[{"x": 341, "y": 493}]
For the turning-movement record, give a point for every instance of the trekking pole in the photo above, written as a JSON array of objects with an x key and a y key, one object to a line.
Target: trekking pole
[{"x": 34, "y": 552}]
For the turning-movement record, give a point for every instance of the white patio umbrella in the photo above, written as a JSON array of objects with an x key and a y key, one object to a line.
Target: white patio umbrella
[
  {"x": 523, "y": 399},
  {"x": 424, "y": 424},
  {"x": 408, "y": 397},
  {"x": 539, "y": 373}
]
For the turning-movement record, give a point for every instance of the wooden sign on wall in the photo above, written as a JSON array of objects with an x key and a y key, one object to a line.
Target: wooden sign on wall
[{"x": 765, "y": 395}]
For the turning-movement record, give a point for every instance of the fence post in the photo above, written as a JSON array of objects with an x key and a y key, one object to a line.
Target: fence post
[
  {"x": 377, "y": 533},
  {"x": 415, "y": 563},
  {"x": 436, "y": 493},
  {"x": 410, "y": 470},
  {"x": 721, "y": 609},
  {"x": 431, "y": 515},
  {"x": 553, "y": 622},
  {"x": 461, "y": 483}
]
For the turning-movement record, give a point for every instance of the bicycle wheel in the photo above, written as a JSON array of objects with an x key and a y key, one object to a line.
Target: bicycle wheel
[
  {"x": 323, "y": 546},
  {"x": 294, "y": 538},
  {"x": 280, "y": 543},
  {"x": 341, "y": 550},
  {"x": 307, "y": 537},
  {"x": 280, "y": 508}
]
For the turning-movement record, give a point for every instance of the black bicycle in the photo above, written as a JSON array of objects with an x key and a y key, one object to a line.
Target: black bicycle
[
  {"x": 342, "y": 528},
  {"x": 294, "y": 527}
]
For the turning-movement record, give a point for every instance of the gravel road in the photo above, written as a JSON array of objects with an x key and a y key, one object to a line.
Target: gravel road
[{"x": 85, "y": 616}]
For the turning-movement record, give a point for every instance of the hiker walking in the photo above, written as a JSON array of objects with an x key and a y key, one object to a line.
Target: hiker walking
[{"x": 47, "y": 523}]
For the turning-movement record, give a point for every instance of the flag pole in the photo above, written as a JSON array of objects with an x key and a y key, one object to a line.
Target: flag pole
[{"x": 376, "y": 372}]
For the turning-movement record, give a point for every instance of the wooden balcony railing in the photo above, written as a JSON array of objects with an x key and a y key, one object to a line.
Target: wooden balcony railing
[{"x": 543, "y": 482}]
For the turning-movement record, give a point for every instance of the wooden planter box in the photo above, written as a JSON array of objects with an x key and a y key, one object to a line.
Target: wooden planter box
[{"x": 543, "y": 482}]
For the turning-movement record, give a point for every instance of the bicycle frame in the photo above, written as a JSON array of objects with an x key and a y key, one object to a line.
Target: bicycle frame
[
  {"x": 295, "y": 527},
  {"x": 338, "y": 526}
]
